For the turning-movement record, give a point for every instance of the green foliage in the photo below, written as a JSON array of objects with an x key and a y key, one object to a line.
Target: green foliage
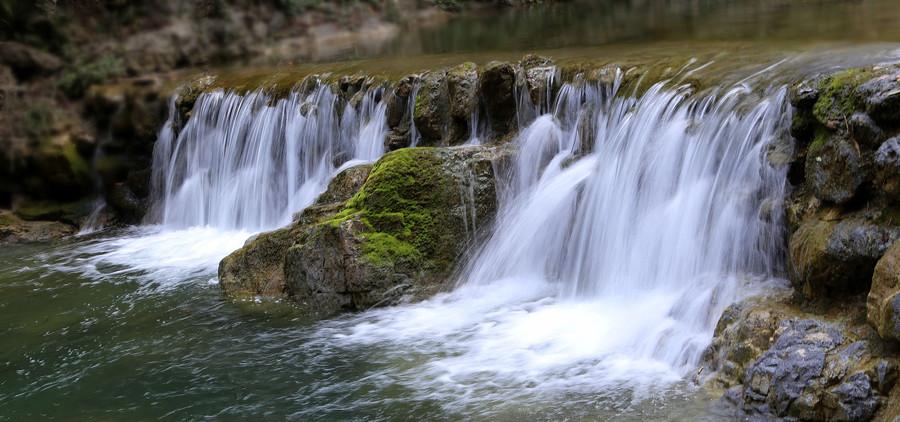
[{"x": 75, "y": 80}]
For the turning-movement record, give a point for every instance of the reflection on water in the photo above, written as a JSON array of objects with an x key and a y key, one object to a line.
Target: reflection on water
[{"x": 601, "y": 22}]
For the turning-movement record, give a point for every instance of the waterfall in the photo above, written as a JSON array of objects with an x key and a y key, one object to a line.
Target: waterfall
[
  {"x": 627, "y": 223},
  {"x": 249, "y": 162},
  {"x": 665, "y": 208}
]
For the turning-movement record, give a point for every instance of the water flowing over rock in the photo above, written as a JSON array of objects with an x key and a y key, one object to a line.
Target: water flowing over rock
[
  {"x": 394, "y": 240},
  {"x": 250, "y": 162}
]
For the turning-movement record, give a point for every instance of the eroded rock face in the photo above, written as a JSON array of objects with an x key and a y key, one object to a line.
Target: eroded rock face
[
  {"x": 395, "y": 239},
  {"x": 829, "y": 258},
  {"x": 27, "y": 61},
  {"x": 883, "y": 304},
  {"x": 779, "y": 362}
]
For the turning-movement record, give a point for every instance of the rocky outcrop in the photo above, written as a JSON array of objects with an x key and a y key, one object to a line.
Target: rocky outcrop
[
  {"x": 777, "y": 361},
  {"x": 431, "y": 113},
  {"x": 14, "y": 229},
  {"x": 843, "y": 210},
  {"x": 396, "y": 239},
  {"x": 28, "y": 62}
]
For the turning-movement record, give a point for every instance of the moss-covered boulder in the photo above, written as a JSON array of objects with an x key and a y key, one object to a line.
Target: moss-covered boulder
[
  {"x": 400, "y": 236},
  {"x": 432, "y": 109},
  {"x": 831, "y": 258},
  {"x": 839, "y": 97},
  {"x": 397, "y": 238},
  {"x": 883, "y": 303},
  {"x": 497, "y": 85}
]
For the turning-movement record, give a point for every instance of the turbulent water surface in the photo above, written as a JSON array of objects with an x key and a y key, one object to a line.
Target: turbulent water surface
[{"x": 628, "y": 222}]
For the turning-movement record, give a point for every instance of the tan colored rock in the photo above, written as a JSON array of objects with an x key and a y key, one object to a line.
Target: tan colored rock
[{"x": 883, "y": 304}]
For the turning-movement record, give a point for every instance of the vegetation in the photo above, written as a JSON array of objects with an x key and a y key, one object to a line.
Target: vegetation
[{"x": 75, "y": 80}]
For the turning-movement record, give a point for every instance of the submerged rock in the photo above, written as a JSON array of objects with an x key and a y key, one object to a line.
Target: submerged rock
[
  {"x": 884, "y": 298},
  {"x": 16, "y": 230}
]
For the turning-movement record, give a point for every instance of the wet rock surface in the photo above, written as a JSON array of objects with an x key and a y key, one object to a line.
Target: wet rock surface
[
  {"x": 883, "y": 304},
  {"x": 777, "y": 361},
  {"x": 395, "y": 239}
]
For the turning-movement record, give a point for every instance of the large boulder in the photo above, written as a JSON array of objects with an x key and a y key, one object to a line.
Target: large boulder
[
  {"x": 778, "y": 362},
  {"x": 883, "y": 304},
  {"x": 398, "y": 238},
  {"x": 834, "y": 168},
  {"x": 829, "y": 258}
]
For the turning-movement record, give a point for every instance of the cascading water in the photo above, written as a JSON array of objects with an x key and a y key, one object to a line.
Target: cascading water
[
  {"x": 627, "y": 225},
  {"x": 242, "y": 162}
]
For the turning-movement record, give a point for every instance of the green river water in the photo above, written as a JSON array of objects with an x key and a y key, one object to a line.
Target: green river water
[{"x": 85, "y": 335}]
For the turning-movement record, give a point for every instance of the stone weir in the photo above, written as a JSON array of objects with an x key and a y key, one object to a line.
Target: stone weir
[
  {"x": 824, "y": 348},
  {"x": 394, "y": 231}
]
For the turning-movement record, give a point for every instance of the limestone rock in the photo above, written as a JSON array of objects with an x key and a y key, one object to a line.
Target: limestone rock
[
  {"x": 865, "y": 131},
  {"x": 778, "y": 362},
  {"x": 396, "y": 239}
]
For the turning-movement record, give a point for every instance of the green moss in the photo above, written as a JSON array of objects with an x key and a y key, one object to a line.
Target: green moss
[
  {"x": 838, "y": 98},
  {"x": 403, "y": 202},
  {"x": 52, "y": 211},
  {"x": 8, "y": 219},
  {"x": 819, "y": 139},
  {"x": 385, "y": 250}
]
